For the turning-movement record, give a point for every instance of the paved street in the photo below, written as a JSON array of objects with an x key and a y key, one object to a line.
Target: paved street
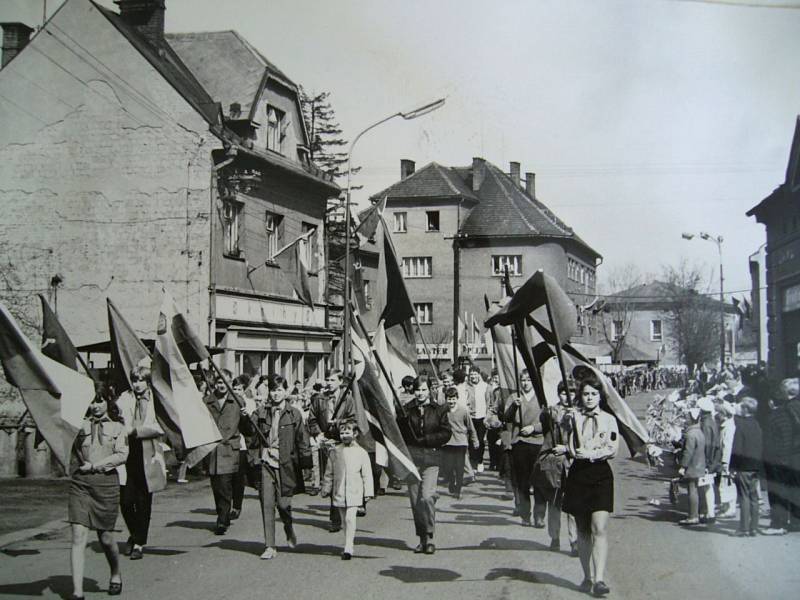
[{"x": 482, "y": 553}]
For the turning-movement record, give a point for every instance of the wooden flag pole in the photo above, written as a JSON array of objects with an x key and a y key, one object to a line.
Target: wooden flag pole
[{"x": 427, "y": 349}]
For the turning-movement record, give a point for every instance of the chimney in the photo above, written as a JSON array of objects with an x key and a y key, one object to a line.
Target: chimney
[
  {"x": 514, "y": 173},
  {"x": 530, "y": 184},
  {"x": 407, "y": 168},
  {"x": 146, "y": 16},
  {"x": 478, "y": 173},
  {"x": 15, "y": 38}
]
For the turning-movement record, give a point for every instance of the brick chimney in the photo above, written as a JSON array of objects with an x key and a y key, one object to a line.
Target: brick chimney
[
  {"x": 478, "y": 173},
  {"x": 514, "y": 168},
  {"x": 530, "y": 184},
  {"x": 15, "y": 37},
  {"x": 146, "y": 16},
  {"x": 407, "y": 168}
]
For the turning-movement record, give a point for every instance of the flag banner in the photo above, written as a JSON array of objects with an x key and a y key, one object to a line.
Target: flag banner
[
  {"x": 55, "y": 341},
  {"x": 396, "y": 364},
  {"x": 56, "y": 396},
  {"x": 748, "y": 313},
  {"x": 378, "y": 409},
  {"x": 357, "y": 286},
  {"x": 291, "y": 260},
  {"x": 127, "y": 349},
  {"x": 192, "y": 349},
  {"x": 370, "y": 220},
  {"x": 398, "y": 309},
  {"x": 181, "y": 404},
  {"x": 504, "y": 353}
]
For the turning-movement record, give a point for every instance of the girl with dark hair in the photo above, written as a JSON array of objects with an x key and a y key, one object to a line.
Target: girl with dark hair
[
  {"x": 589, "y": 489},
  {"x": 425, "y": 427},
  {"x": 101, "y": 446}
]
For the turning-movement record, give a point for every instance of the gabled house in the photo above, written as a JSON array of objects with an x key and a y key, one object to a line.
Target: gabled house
[
  {"x": 132, "y": 159},
  {"x": 456, "y": 230},
  {"x": 780, "y": 213}
]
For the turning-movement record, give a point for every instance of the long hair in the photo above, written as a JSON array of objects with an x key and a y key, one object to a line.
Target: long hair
[
  {"x": 106, "y": 392},
  {"x": 592, "y": 380}
]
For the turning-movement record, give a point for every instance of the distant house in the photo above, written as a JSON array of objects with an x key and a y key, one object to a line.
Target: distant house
[
  {"x": 637, "y": 323},
  {"x": 457, "y": 229},
  {"x": 780, "y": 213},
  {"x": 132, "y": 159}
]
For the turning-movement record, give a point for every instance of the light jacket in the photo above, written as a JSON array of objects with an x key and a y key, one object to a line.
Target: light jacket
[
  {"x": 150, "y": 435},
  {"x": 348, "y": 476},
  {"x": 106, "y": 448}
]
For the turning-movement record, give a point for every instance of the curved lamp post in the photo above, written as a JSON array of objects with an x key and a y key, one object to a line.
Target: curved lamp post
[
  {"x": 718, "y": 241},
  {"x": 412, "y": 114}
]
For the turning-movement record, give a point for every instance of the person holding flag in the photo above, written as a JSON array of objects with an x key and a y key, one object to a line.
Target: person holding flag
[
  {"x": 101, "y": 446},
  {"x": 425, "y": 427}
]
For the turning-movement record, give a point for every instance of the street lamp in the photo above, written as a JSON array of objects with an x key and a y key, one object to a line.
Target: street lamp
[
  {"x": 718, "y": 241},
  {"x": 412, "y": 114}
]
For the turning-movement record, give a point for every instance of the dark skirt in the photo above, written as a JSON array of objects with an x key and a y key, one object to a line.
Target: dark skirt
[
  {"x": 94, "y": 500},
  {"x": 589, "y": 488}
]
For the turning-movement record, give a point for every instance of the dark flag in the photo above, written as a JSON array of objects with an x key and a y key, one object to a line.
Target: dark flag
[
  {"x": 398, "y": 309},
  {"x": 370, "y": 220},
  {"x": 291, "y": 260},
  {"x": 55, "y": 341}
]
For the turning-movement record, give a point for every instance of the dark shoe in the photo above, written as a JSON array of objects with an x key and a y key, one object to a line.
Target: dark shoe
[
  {"x": 573, "y": 549},
  {"x": 114, "y": 588},
  {"x": 235, "y": 513},
  {"x": 136, "y": 553},
  {"x": 419, "y": 549},
  {"x": 313, "y": 491},
  {"x": 220, "y": 530},
  {"x": 600, "y": 589},
  {"x": 346, "y": 556},
  {"x": 515, "y": 512},
  {"x": 555, "y": 544},
  {"x": 74, "y": 597},
  {"x": 362, "y": 511},
  {"x": 381, "y": 491},
  {"x": 708, "y": 520},
  {"x": 538, "y": 524},
  {"x": 396, "y": 486},
  {"x": 526, "y": 522},
  {"x": 585, "y": 586},
  {"x": 430, "y": 549},
  {"x": 334, "y": 528}
]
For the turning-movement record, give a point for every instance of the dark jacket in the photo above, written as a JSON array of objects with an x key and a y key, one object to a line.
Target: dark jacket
[
  {"x": 425, "y": 432},
  {"x": 693, "y": 456},
  {"x": 224, "y": 459},
  {"x": 713, "y": 446},
  {"x": 319, "y": 413},
  {"x": 747, "y": 446},
  {"x": 293, "y": 448},
  {"x": 778, "y": 436}
]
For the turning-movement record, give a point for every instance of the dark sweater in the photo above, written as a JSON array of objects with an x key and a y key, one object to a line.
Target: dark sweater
[{"x": 747, "y": 446}]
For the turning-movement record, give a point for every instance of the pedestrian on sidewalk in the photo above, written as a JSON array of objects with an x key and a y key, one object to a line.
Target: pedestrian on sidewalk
[
  {"x": 144, "y": 472},
  {"x": 747, "y": 466},
  {"x": 454, "y": 452},
  {"x": 348, "y": 481},
  {"x": 425, "y": 429},
  {"x": 589, "y": 488},
  {"x": 101, "y": 447},
  {"x": 692, "y": 463},
  {"x": 280, "y": 461}
]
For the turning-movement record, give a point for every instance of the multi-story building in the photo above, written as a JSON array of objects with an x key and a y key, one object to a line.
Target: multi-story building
[
  {"x": 780, "y": 213},
  {"x": 456, "y": 231},
  {"x": 133, "y": 160}
]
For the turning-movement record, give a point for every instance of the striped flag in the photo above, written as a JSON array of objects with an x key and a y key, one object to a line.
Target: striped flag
[
  {"x": 292, "y": 262},
  {"x": 56, "y": 396},
  {"x": 389, "y": 443}
]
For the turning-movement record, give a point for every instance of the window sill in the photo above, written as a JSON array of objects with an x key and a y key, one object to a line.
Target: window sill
[{"x": 417, "y": 276}]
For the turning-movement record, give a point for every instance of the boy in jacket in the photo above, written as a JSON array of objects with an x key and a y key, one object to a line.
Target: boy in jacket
[{"x": 747, "y": 466}]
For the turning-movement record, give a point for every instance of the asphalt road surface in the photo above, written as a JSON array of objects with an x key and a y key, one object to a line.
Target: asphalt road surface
[{"x": 482, "y": 553}]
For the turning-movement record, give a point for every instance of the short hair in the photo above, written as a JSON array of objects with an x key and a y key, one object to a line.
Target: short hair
[
  {"x": 141, "y": 373},
  {"x": 275, "y": 381},
  {"x": 451, "y": 392},
  {"x": 317, "y": 387},
  {"x": 749, "y": 406},
  {"x": 407, "y": 381},
  {"x": 242, "y": 380},
  {"x": 419, "y": 381},
  {"x": 570, "y": 386},
  {"x": 459, "y": 376},
  {"x": 349, "y": 423},
  {"x": 223, "y": 374}
]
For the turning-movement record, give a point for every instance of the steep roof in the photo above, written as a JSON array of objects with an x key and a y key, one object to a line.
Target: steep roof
[
  {"x": 789, "y": 190},
  {"x": 431, "y": 181},
  {"x": 171, "y": 67},
  {"x": 229, "y": 68},
  {"x": 655, "y": 295}
]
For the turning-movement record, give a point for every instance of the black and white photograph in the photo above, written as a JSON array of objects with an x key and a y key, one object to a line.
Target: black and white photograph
[{"x": 451, "y": 299}]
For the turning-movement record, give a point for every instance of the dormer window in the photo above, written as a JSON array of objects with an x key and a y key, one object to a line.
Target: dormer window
[{"x": 275, "y": 128}]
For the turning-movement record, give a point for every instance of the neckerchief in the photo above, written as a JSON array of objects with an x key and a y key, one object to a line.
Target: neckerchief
[{"x": 589, "y": 426}]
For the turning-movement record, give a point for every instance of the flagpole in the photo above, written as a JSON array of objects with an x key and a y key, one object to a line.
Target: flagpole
[
  {"x": 510, "y": 292},
  {"x": 239, "y": 401},
  {"x": 425, "y": 345},
  {"x": 412, "y": 114},
  {"x": 554, "y": 329}
]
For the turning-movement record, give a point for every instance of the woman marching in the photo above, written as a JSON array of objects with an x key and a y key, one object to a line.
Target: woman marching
[
  {"x": 589, "y": 488},
  {"x": 101, "y": 446},
  {"x": 426, "y": 428}
]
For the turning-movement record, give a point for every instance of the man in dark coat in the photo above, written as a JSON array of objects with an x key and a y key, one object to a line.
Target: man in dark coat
[
  {"x": 281, "y": 460},
  {"x": 223, "y": 461}
]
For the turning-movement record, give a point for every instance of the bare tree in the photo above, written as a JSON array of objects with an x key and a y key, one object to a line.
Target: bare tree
[
  {"x": 618, "y": 309},
  {"x": 692, "y": 318}
]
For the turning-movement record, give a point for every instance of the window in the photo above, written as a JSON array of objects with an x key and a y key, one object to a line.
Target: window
[
  {"x": 231, "y": 224},
  {"x": 433, "y": 220},
  {"x": 417, "y": 266},
  {"x": 655, "y": 330},
  {"x": 616, "y": 330},
  {"x": 275, "y": 128},
  {"x": 424, "y": 312},
  {"x": 310, "y": 246},
  {"x": 513, "y": 261},
  {"x": 400, "y": 222},
  {"x": 272, "y": 224}
]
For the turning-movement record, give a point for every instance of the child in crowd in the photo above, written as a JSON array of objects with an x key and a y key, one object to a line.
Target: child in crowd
[
  {"x": 348, "y": 481},
  {"x": 454, "y": 451},
  {"x": 747, "y": 466},
  {"x": 693, "y": 463}
]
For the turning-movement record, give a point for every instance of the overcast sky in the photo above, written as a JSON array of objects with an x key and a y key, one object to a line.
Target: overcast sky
[{"x": 641, "y": 118}]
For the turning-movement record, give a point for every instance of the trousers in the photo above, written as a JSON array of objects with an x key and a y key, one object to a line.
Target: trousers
[
  {"x": 422, "y": 496},
  {"x": 747, "y": 492},
  {"x": 136, "y": 505},
  {"x": 269, "y": 494},
  {"x": 222, "y": 488}
]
